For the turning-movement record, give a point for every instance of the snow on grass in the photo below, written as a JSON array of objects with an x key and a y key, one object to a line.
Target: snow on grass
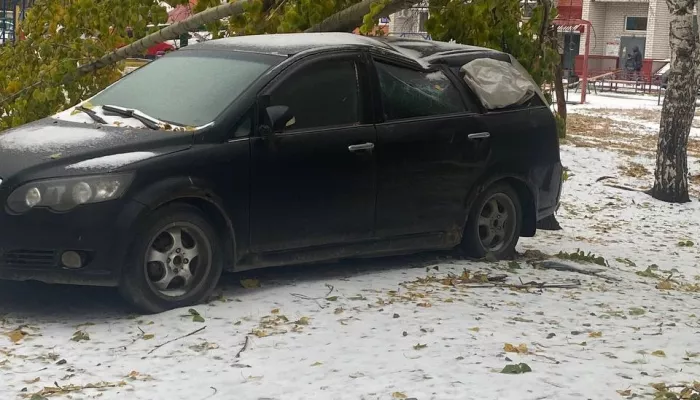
[
  {"x": 47, "y": 138},
  {"x": 404, "y": 327},
  {"x": 112, "y": 161},
  {"x": 636, "y": 110}
]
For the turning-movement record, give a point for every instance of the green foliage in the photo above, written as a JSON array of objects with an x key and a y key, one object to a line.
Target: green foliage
[
  {"x": 561, "y": 126},
  {"x": 582, "y": 256},
  {"x": 60, "y": 36},
  {"x": 268, "y": 16},
  {"x": 497, "y": 24},
  {"x": 516, "y": 369}
]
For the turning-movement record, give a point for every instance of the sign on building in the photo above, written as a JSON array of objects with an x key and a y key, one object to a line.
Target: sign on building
[{"x": 612, "y": 47}]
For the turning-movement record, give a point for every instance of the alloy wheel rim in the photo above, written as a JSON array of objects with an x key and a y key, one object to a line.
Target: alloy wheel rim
[
  {"x": 496, "y": 222},
  {"x": 177, "y": 260}
]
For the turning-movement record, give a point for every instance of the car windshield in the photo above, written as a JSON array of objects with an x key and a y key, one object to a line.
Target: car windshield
[{"x": 187, "y": 88}]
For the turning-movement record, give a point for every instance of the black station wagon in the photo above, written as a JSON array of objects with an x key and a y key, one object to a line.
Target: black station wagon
[{"x": 271, "y": 150}]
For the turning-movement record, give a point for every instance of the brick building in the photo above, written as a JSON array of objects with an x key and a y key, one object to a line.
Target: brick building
[{"x": 620, "y": 25}]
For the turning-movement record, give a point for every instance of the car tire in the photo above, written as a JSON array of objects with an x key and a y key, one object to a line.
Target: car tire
[
  {"x": 175, "y": 261},
  {"x": 493, "y": 224}
]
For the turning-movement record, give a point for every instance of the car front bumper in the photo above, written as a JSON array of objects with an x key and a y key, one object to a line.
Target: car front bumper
[{"x": 31, "y": 244}]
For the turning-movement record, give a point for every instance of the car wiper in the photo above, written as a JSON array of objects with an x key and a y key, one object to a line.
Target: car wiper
[
  {"x": 150, "y": 122},
  {"x": 92, "y": 114}
]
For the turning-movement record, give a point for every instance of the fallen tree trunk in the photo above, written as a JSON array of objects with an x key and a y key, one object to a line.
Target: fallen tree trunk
[{"x": 169, "y": 33}]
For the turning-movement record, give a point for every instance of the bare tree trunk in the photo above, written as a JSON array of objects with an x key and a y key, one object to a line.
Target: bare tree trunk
[
  {"x": 671, "y": 176},
  {"x": 559, "y": 91}
]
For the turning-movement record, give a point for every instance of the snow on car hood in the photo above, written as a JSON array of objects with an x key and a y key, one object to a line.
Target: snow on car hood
[{"x": 74, "y": 147}]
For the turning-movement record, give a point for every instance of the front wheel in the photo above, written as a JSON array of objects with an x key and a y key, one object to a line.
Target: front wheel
[
  {"x": 493, "y": 224},
  {"x": 176, "y": 260}
]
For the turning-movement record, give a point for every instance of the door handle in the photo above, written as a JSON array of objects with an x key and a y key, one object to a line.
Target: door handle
[
  {"x": 479, "y": 135},
  {"x": 360, "y": 147}
]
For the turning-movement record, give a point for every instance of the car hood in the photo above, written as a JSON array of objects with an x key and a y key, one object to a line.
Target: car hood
[{"x": 50, "y": 147}]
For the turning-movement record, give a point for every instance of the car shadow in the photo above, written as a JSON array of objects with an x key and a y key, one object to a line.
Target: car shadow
[{"x": 43, "y": 302}]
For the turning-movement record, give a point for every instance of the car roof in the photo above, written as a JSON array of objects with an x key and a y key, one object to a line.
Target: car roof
[{"x": 289, "y": 44}]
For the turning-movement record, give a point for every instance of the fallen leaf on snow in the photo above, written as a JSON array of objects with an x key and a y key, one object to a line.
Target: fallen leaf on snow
[
  {"x": 66, "y": 389},
  {"x": 316, "y": 364},
  {"x": 659, "y": 353},
  {"x": 419, "y": 346},
  {"x": 516, "y": 369},
  {"x": 398, "y": 395},
  {"x": 196, "y": 317},
  {"x": 595, "y": 334},
  {"x": 137, "y": 376},
  {"x": 16, "y": 335},
  {"x": 665, "y": 285},
  {"x": 260, "y": 333},
  {"x": 148, "y": 336},
  {"x": 302, "y": 321},
  {"x": 275, "y": 311},
  {"x": 637, "y": 311},
  {"x": 521, "y": 349},
  {"x": 80, "y": 336},
  {"x": 475, "y": 329},
  {"x": 627, "y": 392},
  {"x": 250, "y": 283}
]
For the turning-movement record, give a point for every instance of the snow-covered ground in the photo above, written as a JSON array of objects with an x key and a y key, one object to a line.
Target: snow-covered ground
[{"x": 407, "y": 327}]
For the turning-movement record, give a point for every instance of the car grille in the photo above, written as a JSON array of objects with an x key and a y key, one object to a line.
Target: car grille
[{"x": 29, "y": 258}]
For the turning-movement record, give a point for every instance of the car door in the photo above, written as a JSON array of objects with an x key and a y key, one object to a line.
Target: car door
[
  {"x": 314, "y": 183},
  {"x": 431, "y": 147}
]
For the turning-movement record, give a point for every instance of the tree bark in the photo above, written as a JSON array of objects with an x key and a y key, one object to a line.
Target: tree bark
[
  {"x": 171, "y": 32},
  {"x": 345, "y": 20},
  {"x": 559, "y": 91},
  {"x": 671, "y": 175}
]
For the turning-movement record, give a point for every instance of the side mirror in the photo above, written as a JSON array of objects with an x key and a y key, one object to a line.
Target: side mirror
[{"x": 276, "y": 119}]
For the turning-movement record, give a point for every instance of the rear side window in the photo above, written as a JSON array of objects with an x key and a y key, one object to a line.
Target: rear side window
[
  {"x": 534, "y": 101},
  {"x": 324, "y": 94},
  {"x": 408, "y": 94}
]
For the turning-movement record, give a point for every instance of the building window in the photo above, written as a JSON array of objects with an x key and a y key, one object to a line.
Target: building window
[
  {"x": 636, "y": 23},
  {"x": 422, "y": 19}
]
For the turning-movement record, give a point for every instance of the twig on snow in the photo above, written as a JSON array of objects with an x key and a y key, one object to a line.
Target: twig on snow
[
  {"x": 602, "y": 178},
  {"x": 552, "y": 359},
  {"x": 528, "y": 285},
  {"x": 616, "y": 186},
  {"x": 570, "y": 268},
  {"x": 331, "y": 288},
  {"x": 211, "y": 395},
  {"x": 177, "y": 338},
  {"x": 244, "y": 348}
]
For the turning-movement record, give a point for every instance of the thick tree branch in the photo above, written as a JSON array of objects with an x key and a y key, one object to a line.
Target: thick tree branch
[{"x": 169, "y": 33}]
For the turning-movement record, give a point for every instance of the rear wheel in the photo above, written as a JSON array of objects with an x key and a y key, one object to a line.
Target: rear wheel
[
  {"x": 493, "y": 225},
  {"x": 176, "y": 260}
]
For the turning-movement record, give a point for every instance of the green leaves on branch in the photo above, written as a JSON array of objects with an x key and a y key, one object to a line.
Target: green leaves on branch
[
  {"x": 497, "y": 24},
  {"x": 59, "y": 36}
]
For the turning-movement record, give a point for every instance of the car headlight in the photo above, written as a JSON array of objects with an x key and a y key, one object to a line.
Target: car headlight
[{"x": 63, "y": 194}]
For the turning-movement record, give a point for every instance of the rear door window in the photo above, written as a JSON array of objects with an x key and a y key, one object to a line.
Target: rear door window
[{"x": 407, "y": 93}]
